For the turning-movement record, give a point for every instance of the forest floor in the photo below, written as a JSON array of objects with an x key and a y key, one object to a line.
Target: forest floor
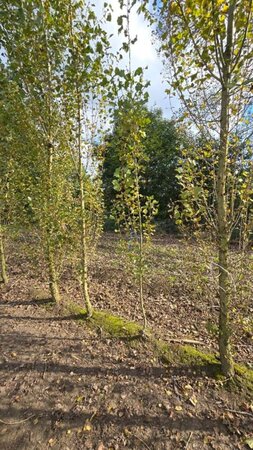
[{"x": 67, "y": 386}]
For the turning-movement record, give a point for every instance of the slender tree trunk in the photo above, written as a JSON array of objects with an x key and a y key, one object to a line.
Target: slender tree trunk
[
  {"x": 226, "y": 356},
  {"x": 50, "y": 248},
  {"x": 141, "y": 276},
  {"x": 141, "y": 261},
  {"x": 223, "y": 241},
  {"x": 84, "y": 261},
  {"x": 142, "y": 303},
  {"x": 53, "y": 279},
  {"x": 3, "y": 270}
]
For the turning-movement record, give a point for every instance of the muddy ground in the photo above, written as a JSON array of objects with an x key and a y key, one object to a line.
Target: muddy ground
[{"x": 66, "y": 386}]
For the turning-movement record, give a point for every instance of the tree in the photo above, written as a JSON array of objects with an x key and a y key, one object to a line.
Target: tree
[
  {"x": 133, "y": 211},
  {"x": 15, "y": 165},
  {"x": 161, "y": 146},
  {"x": 86, "y": 84},
  {"x": 29, "y": 29},
  {"x": 209, "y": 46}
]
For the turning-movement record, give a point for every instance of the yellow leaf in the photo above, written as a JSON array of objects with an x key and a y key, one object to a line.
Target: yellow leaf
[
  {"x": 168, "y": 392},
  {"x": 87, "y": 427},
  {"x": 224, "y": 9},
  {"x": 193, "y": 400},
  {"x": 178, "y": 408},
  {"x": 249, "y": 442}
]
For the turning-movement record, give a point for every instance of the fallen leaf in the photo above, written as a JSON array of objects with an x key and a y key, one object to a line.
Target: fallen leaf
[
  {"x": 101, "y": 446},
  {"x": 178, "y": 408},
  {"x": 249, "y": 442},
  {"x": 193, "y": 400},
  {"x": 87, "y": 427},
  {"x": 167, "y": 407},
  {"x": 168, "y": 392}
]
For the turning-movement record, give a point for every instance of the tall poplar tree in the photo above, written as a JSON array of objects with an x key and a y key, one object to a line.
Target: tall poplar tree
[
  {"x": 86, "y": 88},
  {"x": 209, "y": 47},
  {"x": 33, "y": 40}
]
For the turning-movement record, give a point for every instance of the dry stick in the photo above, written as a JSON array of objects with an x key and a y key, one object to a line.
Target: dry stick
[
  {"x": 143, "y": 442},
  {"x": 17, "y": 422},
  {"x": 244, "y": 413},
  {"x": 44, "y": 371},
  {"x": 187, "y": 341},
  {"x": 188, "y": 440}
]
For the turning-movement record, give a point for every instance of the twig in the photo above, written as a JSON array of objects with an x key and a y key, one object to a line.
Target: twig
[
  {"x": 17, "y": 422},
  {"x": 188, "y": 440},
  {"x": 244, "y": 413},
  {"x": 143, "y": 442},
  {"x": 187, "y": 341},
  {"x": 44, "y": 371}
]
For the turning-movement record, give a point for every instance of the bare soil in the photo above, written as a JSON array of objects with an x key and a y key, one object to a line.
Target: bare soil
[{"x": 68, "y": 387}]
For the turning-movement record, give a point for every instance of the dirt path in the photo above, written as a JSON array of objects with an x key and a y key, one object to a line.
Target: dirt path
[{"x": 63, "y": 386}]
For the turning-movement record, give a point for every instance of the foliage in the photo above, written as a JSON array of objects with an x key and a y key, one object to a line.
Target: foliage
[
  {"x": 208, "y": 45},
  {"x": 161, "y": 146},
  {"x": 133, "y": 212}
]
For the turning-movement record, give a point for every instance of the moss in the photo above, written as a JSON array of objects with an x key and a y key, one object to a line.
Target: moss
[
  {"x": 164, "y": 351},
  {"x": 41, "y": 297},
  {"x": 189, "y": 354},
  {"x": 244, "y": 377},
  {"x": 185, "y": 356},
  {"x": 189, "y": 357},
  {"x": 38, "y": 294},
  {"x": 199, "y": 361},
  {"x": 114, "y": 325}
]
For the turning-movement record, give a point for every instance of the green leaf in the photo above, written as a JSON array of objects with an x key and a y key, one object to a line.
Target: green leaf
[
  {"x": 99, "y": 47},
  {"x": 139, "y": 71},
  {"x": 120, "y": 20}
]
